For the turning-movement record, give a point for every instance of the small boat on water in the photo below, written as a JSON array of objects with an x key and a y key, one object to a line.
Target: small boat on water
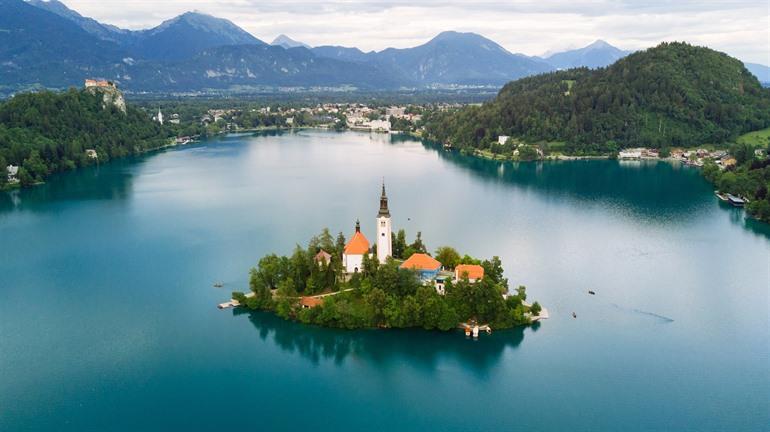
[
  {"x": 721, "y": 196},
  {"x": 219, "y": 285},
  {"x": 591, "y": 292},
  {"x": 736, "y": 200},
  {"x": 574, "y": 315}
]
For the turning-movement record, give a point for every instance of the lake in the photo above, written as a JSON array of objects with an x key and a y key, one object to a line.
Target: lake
[{"x": 108, "y": 317}]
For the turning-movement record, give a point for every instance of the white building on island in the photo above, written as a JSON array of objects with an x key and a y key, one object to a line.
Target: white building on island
[{"x": 357, "y": 247}]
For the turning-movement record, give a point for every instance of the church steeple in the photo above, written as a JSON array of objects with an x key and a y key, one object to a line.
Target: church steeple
[
  {"x": 384, "y": 212},
  {"x": 384, "y": 235},
  {"x": 358, "y": 226}
]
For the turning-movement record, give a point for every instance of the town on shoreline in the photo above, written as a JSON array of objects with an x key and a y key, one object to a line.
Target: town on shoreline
[{"x": 181, "y": 122}]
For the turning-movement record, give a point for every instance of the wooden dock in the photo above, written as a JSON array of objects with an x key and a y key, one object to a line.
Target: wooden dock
[{"x": 233, "y": 302}]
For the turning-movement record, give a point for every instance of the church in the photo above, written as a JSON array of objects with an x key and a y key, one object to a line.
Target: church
[{"x": 353, "y": 256}]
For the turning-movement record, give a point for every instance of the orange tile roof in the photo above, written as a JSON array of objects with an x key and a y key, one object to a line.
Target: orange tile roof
[
  {"x": 322, "y": 255},
  {"x": 358, "y": 245},
  {"x": 311, "y": 302},
  {"x": 472, "y": 270},
  {"x": 420, "y": 261}
]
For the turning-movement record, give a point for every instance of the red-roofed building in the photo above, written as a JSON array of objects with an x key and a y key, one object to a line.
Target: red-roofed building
[
  {"x": 425, "y": 265},
  {"x": 99, "y": 83},
  {"x": 310, "y": 302},
  {"x": 357, "y": 247},
  {"x": 472, "y": 271},
  {"x": 323, "y": 257}
]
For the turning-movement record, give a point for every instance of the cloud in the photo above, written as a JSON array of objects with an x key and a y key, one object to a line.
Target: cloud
[{"x": 738, "y": 27}]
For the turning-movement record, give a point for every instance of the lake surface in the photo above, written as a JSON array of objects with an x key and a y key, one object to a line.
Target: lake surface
[{"x": 108, "y": 317}]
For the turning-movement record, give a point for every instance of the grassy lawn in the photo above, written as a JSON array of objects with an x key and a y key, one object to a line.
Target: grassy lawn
[
  {"x": 489, "y": 155},
  {"x": 759, "y": 138}
]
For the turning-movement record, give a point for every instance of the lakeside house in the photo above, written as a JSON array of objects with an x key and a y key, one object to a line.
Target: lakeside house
[
  {"x": 502, "y": 139},
  {"x": 322, "y": 258},
  {"x": 91, "y": 154},
  {"x": 630, "y": 154},
  {"x": 380, "y": 125},
  {"x": 395, "y": 111},
  {"x": 473, "y": 272},
  {"x": 12, "y": 171},
  {"x": 728, "y": 161},
  {"x": 310, "y": 302},
  {"x": 426, "y": 266}
]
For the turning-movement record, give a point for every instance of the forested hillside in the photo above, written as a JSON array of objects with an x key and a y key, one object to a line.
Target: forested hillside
[
  {"x": 672, "y": 95},
  {"x": 46, "y": 132}
]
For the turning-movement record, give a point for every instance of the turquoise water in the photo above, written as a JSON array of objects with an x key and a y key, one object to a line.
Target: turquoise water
[{"x": 108, "y": 317}]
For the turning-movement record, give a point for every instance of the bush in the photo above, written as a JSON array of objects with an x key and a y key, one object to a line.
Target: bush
[{"x": 535, "y": 309}]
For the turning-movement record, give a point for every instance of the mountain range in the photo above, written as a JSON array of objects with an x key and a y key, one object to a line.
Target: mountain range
[{"x": 46, "y": 44}]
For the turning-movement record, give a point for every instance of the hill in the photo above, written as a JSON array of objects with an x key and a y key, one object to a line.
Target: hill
[
  {"x": 453, "y": 58},
  {"x": 598, "y": 54},
  {"x": 177, "y": 38},
  {"x": 343, "y": 53},
  {"x": 287, "y": 42},
  {"x": 187, "y": 35},
  {"x": 38, "y": 47},
  {"x": 249, "y": 67},
  {"x": 102, "y": 31},
  {"x": 672, "y": 95},
  {"x": 48, "y": 132},
  {"x": 45, "y": 44}
]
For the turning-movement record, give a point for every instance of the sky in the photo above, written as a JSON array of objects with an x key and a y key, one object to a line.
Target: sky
[{"x": 738, "y": 27}]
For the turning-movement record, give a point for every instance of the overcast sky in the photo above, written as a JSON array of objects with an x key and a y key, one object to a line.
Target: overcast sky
[{"x": 738, "y": 27}]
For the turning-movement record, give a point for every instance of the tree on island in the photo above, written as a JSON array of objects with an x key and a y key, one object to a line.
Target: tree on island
[
  {"x": 380, "y": 295},
  {"x": 399, "y": 244},
  {"x": 3, "y": 171},
  {"x": 448, "y": 256}
]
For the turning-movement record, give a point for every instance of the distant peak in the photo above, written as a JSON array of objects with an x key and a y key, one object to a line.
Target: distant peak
[
  {"x": 600, "y": 44},
  {"x": 451, "y": 34},
  {"x": 287, "y": 42},
  {"x": 198, "y": 15}
]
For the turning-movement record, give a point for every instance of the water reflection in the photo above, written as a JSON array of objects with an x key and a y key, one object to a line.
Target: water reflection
[
  {"x": 648, "y": 189},
  {"x": 422, "y": 349},
  {"x": 111, "y": 182}
]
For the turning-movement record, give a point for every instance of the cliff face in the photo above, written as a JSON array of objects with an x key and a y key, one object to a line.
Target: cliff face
[{"x": 110, "y": 96}]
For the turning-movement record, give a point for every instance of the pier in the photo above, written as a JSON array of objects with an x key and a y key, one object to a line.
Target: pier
[
  {"x": 472, "y": 328},
  {"x": 233, "y": 302}
]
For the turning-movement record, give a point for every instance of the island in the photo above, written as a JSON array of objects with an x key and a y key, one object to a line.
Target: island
[{"x": 353, "y": 284}]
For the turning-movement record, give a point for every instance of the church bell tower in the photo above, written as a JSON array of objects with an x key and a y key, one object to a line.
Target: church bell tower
[{"x": 384, "y": 241}]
